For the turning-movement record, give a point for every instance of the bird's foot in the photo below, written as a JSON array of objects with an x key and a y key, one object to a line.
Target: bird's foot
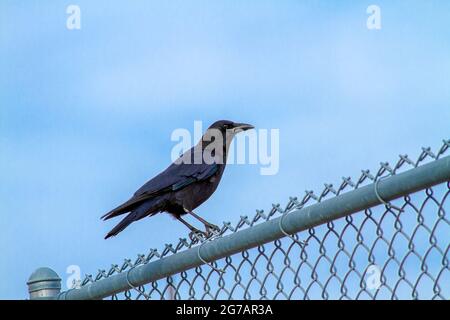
[
  {"x": 212, "y": 229},
  {"x": 197, "y": 235}
]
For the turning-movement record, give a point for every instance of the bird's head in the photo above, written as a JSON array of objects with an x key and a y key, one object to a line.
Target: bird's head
[
  {"x": 226, "y": 126},
  {"x": 225, "y": 130},
  {"x": 221, "y": 133}
]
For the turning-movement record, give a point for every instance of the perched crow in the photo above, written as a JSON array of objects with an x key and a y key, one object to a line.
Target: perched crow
[{"x": 185, "y": 184}]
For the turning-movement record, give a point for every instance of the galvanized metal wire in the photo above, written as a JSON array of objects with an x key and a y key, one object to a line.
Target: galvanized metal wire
[{"x": 399, "y": 250}]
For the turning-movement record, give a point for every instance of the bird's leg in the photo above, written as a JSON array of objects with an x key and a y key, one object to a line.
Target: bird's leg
[
  {"x": 209, "y": 227},
  {"x": 194, "y": 230}
]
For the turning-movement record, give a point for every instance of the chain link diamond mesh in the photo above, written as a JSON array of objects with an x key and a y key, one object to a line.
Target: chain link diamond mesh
[{"x": 378, "y": 253}]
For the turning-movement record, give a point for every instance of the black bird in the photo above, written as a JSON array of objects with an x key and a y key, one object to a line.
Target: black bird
[{"x": 185, "y": 184}]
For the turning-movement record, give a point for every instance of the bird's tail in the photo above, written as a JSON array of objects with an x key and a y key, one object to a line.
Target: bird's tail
[
  {"x": 122, "y": 225},
  {"x": 146, "y": 209},
  {"x": 124, "y": 208}
]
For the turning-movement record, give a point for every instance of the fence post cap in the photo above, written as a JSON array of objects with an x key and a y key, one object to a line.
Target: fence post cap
[{"x": 44, "y": 283}]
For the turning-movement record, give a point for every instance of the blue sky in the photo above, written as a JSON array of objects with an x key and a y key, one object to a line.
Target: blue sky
[{"x": 86, "y": 115}]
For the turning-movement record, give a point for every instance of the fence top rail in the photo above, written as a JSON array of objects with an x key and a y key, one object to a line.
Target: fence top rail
[{"x": 388, "y": 183}]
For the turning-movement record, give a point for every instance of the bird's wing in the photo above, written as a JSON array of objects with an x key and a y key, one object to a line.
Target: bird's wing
[
  {"x": 175, "y": 177},
  {"x": 178, "y": 175}
]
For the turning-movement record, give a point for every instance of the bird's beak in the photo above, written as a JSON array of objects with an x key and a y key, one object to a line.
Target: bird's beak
[{"x": 242, "y": 127}]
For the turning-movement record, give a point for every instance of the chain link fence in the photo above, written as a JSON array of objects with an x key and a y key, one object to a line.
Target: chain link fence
[{"x": 396, "y": 249}]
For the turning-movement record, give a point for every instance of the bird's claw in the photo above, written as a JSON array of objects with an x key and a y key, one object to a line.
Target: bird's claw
[
  {"x": 212, "y": 229},
  {"x": 197, "y": 235}
]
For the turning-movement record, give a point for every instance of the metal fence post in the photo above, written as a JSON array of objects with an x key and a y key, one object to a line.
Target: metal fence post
[{"x": 44, "y": 283}]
